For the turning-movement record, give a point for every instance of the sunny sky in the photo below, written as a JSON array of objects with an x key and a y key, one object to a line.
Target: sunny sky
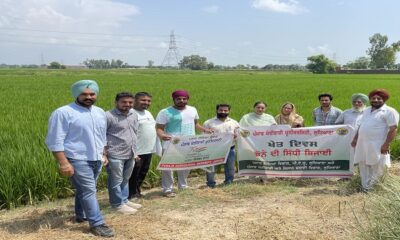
[{"x": 227, "y": 32}]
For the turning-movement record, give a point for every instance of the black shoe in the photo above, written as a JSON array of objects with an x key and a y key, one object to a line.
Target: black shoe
[
  {"x": 80, "y": 220},
  {"x": 102, "y": 230}
]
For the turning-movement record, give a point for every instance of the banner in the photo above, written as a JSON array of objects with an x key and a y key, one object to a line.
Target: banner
[
  {"x": 189, "y": 152},
  {"x": 281, "y": 151}
]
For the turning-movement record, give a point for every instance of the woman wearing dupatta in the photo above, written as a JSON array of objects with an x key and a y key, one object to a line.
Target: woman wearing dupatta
[
  {"x": 258, "y": 117},
  {"x": 289, "y": 116}
]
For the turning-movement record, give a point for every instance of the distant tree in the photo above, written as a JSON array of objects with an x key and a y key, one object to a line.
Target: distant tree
[
  {"x": 116, "y": 63},
  {"x": 240, "y": 67},
  {"x": 276, "y": 67},
  {"x": 150, "y": 63},
  {"x": 56, "y": 65},
  {"x": 32, "y": 66},
  {"x": 104, "y": 64},
  {"x": 320, "y": 64},
  {"x": 359, "y": 63},
  {"x": 194, "y": 62},
  {"x": 210, "y": 66},
  {"x": 382, "y": 54},
  {"x": 254, "y": 67}
]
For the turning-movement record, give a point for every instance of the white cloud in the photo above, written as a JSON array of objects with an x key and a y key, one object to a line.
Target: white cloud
[
  {"x": 283, "y": 6},
  {"x": 73, "y": 15},
  {"x": 324, "y": 49},
  {"x": 211, "y": 9}
]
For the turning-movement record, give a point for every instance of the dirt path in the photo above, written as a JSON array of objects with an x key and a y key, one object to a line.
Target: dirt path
[{"x": 282, "y": 209}]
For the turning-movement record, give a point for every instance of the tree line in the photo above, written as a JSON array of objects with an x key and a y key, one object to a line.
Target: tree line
[{"x": 380, "y": 55}]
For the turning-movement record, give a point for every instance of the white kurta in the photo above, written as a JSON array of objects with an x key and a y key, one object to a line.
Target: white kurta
[
  {"x": 374, "y": 127},
  {"x": 350, "y": 117}
]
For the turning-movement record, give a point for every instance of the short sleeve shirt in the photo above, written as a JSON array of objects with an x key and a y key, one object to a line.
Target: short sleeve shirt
[
  {"x": 178, "y": 122},
  {"x": 146, "y": 134}
]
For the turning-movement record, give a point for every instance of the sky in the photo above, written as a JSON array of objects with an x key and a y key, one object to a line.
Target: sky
[{"x": 227, "y": 32}]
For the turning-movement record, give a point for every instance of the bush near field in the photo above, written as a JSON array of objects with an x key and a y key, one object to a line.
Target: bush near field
[{"x": 28, "y": 172}]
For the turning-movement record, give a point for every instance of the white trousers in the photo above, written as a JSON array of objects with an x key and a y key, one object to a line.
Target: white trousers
[
  {"x": 370, "y": 174},
  {"x": 167, "y": 179}
]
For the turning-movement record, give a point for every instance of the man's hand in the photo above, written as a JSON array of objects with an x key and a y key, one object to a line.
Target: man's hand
[
  {"x": 137, "y": 159},
  {"x": 66, "y": 169},
  {"x": 165, "y": 137},
  {"x": 208, "y": 130},
  {"x": 105, "y": 160},
  {"x": 354, "y": 143},
  {"x": 385, "y": 148}
]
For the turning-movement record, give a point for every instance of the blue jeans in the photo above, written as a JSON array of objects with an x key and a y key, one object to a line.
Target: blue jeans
[
  {"x": 229, "y": 169},
  {"x": 119, "y": 171},
  {"x": 84, "y": 180}
]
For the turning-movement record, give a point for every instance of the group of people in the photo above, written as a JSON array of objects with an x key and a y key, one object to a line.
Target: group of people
[{"x": 82, "y": 138}]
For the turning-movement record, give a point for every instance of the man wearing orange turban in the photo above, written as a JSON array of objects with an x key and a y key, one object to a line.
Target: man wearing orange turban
[{"x": 378, "y": 128}]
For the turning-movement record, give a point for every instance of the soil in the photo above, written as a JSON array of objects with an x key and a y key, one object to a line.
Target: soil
[{"x": 247, "y": 209}]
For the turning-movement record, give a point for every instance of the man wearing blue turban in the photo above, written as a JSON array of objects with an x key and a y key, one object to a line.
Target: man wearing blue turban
[{"x": 77, "y": 137}]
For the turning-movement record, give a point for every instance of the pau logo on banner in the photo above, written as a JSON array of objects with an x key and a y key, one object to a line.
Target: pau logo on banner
[
  {"x": 189, "y": 152},
  {"x": 281, "y": 151}
]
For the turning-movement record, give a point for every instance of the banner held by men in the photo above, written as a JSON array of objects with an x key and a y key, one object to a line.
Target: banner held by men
[
  {"x": 190, "y": 152},
  {"x": 281, "y": 151}
]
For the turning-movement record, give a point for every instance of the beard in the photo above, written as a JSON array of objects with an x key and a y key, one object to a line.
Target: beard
[
  {"x": 359, "y": 109},
  {"x": 86, "y": 102},
  {"x": 222, "y": 115},
  {"x": 376, "y": 105}
]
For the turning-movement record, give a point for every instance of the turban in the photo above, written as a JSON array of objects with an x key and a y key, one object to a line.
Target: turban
[
  {"x": 78, "y": 87},
  {"x": 360, "y": 96},
  {"x": 380, "y": 92},
  {"x": 180, "y": 93}
]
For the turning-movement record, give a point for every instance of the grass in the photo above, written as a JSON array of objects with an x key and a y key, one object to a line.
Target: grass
[
  {"x": 383, "y": 212},
  {"x": 28, "y": 172}
]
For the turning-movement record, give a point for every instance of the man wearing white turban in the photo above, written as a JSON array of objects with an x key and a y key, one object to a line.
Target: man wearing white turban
[
  {"x": 353, "y": 115},
  {"x": 77, "y": 137}
]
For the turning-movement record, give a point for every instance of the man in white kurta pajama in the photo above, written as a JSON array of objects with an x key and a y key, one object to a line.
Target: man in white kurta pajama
[{"x": 377, "y": 130}]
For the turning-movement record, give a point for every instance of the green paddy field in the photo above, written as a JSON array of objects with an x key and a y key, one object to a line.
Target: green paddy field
[{"x": 28, "y": 172}]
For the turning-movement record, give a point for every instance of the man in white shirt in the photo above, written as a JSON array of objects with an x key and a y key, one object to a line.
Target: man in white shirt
[
  {"x": 223, "y": 124},
  {"x": 377, "y": 130},
  {"x": 353, "y": 115},
  {"x": 177, "y": 120},
  {"x": 146, "y": 142}
]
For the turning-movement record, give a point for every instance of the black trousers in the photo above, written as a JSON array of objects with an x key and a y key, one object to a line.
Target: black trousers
[{"x": 139, "y": 174}]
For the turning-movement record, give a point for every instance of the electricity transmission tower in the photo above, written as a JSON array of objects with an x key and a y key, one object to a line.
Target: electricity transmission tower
[{"x": 172, "y": 57}]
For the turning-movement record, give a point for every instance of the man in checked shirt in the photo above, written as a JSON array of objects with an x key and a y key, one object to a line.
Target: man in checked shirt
[
  {"x": 326, "y": 114},
  {"x": 122, "y": 125}
]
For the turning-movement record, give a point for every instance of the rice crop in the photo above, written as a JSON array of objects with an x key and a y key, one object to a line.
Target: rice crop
[{"x": 28, "y": 172}]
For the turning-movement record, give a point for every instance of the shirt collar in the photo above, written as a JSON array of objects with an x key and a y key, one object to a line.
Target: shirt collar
[
  {"x": 383, "y": 108},
  {"x": 82, "y": 107},
  {"x": 227, "y": 119},
  {"x": 330, "y": 108},
  {"x": 118, "y": 112}
]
